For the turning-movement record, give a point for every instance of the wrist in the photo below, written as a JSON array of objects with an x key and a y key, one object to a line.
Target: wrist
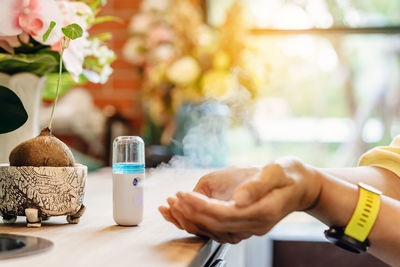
[
  {"x": 306, "y": 183},
  {"x": 336, "y": 201},
  {"x": 313, "y": 188}
]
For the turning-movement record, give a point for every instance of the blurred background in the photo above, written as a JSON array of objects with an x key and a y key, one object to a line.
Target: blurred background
[{"x": 223, "y": 82}]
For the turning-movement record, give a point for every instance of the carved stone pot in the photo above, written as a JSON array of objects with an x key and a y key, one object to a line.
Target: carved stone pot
[{"x": 41, "y": 192}]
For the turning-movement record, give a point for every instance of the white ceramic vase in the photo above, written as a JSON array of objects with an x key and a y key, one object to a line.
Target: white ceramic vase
[{"x": 28, "y": 87}]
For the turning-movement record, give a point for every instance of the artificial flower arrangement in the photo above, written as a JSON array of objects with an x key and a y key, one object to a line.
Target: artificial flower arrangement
[
  {"x": 182, "y": 59},
  {"x": 22, "y": 49}
]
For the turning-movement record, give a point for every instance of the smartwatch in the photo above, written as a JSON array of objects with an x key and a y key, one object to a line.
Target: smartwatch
[{"x": 354, "y": 236}]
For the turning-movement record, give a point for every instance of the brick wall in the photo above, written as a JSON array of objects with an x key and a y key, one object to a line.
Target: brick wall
[{"x": 123, "y": 87}]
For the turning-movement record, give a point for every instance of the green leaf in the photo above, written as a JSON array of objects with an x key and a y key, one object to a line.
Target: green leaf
[
  {"x": 72, "y": 31},
  {"x": 68, "y": 82},
  {"x": 40, "y": 63},
  {"x": 106, "y": 19},
  {"x": 13, "y": 113},
  {"x": 104, "y": 36},
  {"x": 95, "y": 4},
  {"x": 47, "y": 33}
]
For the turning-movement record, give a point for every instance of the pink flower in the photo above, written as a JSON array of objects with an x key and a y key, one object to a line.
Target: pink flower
[
  {"x": 33, "y": 17},
  {"x": 30, "y": 16},
  {"x": 29, "y": 20}
]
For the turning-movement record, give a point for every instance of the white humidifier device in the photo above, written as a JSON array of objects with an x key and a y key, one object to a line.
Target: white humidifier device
[{"x": 128, "y": 176}]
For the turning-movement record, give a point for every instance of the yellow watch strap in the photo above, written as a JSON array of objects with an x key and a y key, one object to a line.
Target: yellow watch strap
[{"x": 364, "y": 216}]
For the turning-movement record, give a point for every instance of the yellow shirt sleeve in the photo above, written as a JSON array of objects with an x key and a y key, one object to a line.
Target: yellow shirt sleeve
[{"x": 387, "y": 157}]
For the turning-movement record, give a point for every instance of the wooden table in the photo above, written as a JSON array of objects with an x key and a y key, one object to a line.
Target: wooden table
[{"x": 98, "y": 241}]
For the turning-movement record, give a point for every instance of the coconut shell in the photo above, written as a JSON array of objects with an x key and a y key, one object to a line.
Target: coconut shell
[{"x": 43, "y": 150}]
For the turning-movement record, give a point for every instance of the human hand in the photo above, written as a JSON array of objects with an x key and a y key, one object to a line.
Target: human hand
[
  {"x": 216, "y": 185},
  {"x": 285, "y": 175},
  {"x": 221, "y": 184},
  {"x": 258, "y": 204}
]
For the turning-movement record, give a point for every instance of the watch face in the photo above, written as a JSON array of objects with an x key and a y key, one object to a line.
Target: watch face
[{"x": 336, "y": 235}]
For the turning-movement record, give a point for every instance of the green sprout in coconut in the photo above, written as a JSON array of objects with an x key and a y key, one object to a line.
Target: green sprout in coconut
[{"x": 46, "y": 149}]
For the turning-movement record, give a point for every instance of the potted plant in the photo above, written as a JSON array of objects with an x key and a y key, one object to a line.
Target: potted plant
[
  {"x": 29, "y": 65},
  {"x": 43, "y": 179}
]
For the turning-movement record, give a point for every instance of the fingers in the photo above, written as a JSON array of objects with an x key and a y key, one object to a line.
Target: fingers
[
  {"x": 182, "y": 223},
  {"x": 272, "y": 176},
  {"x": 176, "y": 217},
  {"x": 185, "y": 224},
  {"x": 257, "y": 204},
  {"x": 237, "y": 237},
  {"x": 213, "y": 207},
  {"x": 220, "y": 216},
  {"x": 217, "y": 216},
  {"x": 222, "y": 183},
  {"x": 203, "y": 187},
  {"x": 166, "y": 213},
  {"x": 223, "y": 231},
  {"x": 232, "y": 238},
  {"x": 223, "y": 237},
  {"x": 215, "y": 224},
  {"x": 223, "y": 221}
]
